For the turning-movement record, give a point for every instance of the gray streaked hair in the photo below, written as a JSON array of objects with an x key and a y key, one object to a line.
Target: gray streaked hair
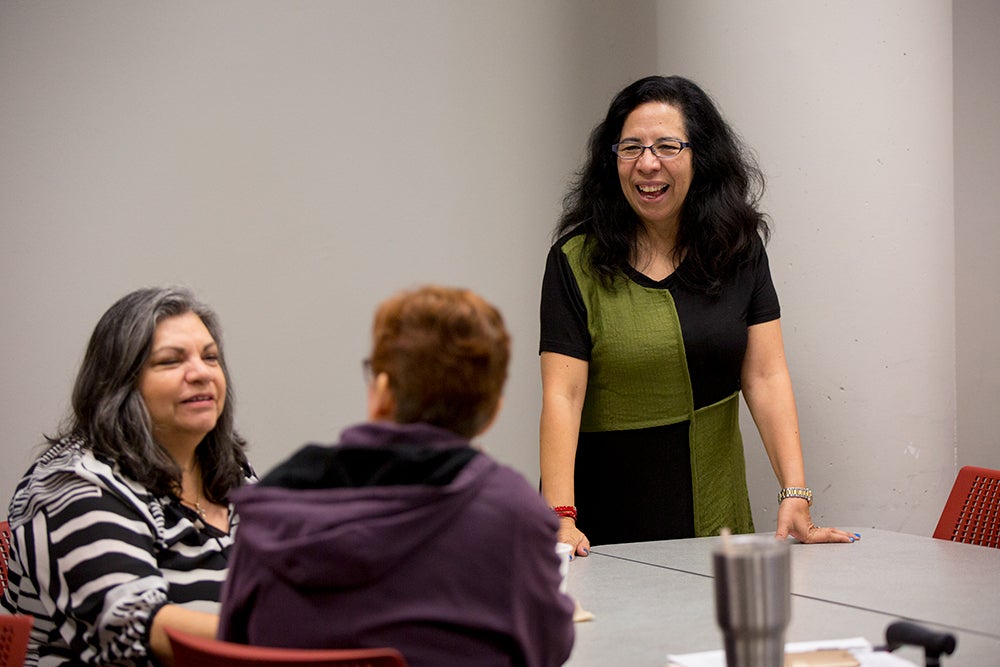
[{"x": 108, "y": 411}]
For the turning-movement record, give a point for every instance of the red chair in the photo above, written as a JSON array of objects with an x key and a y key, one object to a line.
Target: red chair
[
  {"x": 4, "y": 554},
  {"x": 192, "y": 651},
  {"x": 972, "y": 512},
  {"x": 14, "y": 634}
]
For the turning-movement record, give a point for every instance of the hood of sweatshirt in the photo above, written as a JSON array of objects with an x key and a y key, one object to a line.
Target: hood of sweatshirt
[{"x": 364, "y": 504}]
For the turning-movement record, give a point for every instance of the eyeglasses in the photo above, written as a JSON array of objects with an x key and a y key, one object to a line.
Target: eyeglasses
[{"x": 630, "y": 150}]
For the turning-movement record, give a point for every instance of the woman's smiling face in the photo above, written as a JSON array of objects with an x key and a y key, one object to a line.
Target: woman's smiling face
[
  {"x": 656, "y": 187},
  {"x": 182, "y": 383}
]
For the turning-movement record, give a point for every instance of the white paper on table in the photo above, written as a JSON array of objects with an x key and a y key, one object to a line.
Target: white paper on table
[{"x": 859, "y": 647}]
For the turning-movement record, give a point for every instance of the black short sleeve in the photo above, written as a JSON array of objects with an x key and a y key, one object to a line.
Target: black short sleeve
[{"x": 563, "y": 315}]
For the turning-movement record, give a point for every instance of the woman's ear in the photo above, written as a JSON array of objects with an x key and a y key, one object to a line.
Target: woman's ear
[{"x": 381, "y": 402}]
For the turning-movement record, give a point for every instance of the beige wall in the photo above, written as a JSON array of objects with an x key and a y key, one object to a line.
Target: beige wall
[
  {"x": 977, "y": 230},
  {"x": 296, "y": 162}
]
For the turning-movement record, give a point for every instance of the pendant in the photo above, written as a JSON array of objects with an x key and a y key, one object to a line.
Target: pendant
[{"x": 196, "y": 506}]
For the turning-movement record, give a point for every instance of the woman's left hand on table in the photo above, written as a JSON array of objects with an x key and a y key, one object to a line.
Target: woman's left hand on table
[{"x": 794, "y": 520}]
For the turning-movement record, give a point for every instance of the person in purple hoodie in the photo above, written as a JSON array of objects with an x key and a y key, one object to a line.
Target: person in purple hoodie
[{"x": 404, "y": 534}]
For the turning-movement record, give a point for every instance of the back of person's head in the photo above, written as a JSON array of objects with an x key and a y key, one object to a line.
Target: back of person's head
[
  {"x": 108, "y": 411},
  {"x": 445, "y": 352}
]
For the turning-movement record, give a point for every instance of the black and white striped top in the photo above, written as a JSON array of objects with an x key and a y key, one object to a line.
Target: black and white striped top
[{"x": 94, "y": 557}]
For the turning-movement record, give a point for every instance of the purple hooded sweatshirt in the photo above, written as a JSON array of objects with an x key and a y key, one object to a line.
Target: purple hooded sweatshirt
[{"x": 403, "y": 536}]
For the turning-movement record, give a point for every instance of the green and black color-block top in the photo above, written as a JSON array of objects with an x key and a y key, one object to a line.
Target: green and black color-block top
[{"x": 660, "y": 454}]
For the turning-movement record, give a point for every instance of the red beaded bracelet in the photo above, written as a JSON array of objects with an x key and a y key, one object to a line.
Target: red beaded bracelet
[{"x": 565, "y": 511}]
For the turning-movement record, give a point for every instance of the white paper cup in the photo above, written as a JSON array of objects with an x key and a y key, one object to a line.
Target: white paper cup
[{"x": 564, "y": 551}]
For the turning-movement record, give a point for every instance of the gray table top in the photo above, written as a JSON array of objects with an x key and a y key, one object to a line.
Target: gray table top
[{"x": 652, "y": 599}]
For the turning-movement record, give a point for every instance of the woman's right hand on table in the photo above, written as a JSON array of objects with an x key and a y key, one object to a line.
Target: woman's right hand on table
[{"x": 571, "y": 535}]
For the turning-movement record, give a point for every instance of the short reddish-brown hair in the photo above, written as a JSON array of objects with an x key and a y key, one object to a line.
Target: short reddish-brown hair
[{"x": 445, "y": 351}]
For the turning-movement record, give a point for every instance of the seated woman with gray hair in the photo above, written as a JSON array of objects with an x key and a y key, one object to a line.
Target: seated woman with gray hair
[
  {"x": 123, "y": 525},
  {"x": 403, "y": 534}
]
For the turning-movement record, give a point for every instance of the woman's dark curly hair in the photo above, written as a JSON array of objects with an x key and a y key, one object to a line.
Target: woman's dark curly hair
[
  {"x": 110, "y": 416},
  {"x": 720, "y": 223}
]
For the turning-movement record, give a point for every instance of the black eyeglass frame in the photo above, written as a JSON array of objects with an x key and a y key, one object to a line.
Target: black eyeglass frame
[{"x": 652, "y": 149}]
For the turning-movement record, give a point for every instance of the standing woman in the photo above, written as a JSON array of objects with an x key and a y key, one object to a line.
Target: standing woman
[
  {"x": 657, "y": 310},
  {"x": 123, "y": 525}
]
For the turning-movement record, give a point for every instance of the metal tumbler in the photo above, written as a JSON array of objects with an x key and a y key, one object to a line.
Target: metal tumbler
[{"x": 753, "y": 598}]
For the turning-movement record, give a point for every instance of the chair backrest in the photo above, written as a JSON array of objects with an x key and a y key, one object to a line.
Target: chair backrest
[
  {"x": 4, "y": 554},
  {"x": 972, "y": 512},
  {"x": 14, "y": 634},
  {"x": 192, "y": 651}
]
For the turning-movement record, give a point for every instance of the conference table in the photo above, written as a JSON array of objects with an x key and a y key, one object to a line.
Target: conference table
[{"x": 652, "y": 599}]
